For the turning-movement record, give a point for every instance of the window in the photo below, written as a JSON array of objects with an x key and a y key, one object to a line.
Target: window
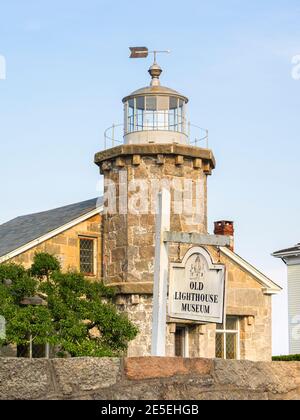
[
  {"x": 227, "y": 339},
  {"x": 87, "y": 254},
  {"x": 181, "y": 342}
]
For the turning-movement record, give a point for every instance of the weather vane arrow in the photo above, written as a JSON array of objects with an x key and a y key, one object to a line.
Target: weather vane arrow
[{"x": 143, "y": 52}]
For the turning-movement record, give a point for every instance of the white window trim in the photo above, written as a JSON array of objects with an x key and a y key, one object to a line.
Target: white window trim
[
  {"x": 186, "y": 343},
  {"x": 225, "y": 332}
]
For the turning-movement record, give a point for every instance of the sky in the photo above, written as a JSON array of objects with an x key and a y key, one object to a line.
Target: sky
[{"x": 67, "y": 69}]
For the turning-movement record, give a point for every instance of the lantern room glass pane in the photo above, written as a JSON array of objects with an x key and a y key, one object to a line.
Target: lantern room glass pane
[
  {"x": 139, "y": 120},
  {"x": 163, "y": 103},
  {"x": 173, "y": 102},
  {"x": 173, "y": 120},
  {"x": 131, "y": 104},
  {"x": 152, "y": 113},
  {"x": 149, "y": 121},
  {"x": 180, "y": 119},
  {"x": 130, "y": 117},
  {"x": 162, "y": 120},
  {"x": 151, "y": 103},
  {"x": 140, "y": 102}
]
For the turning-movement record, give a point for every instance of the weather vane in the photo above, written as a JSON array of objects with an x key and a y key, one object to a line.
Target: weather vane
[{"x": 143, "y": 52}]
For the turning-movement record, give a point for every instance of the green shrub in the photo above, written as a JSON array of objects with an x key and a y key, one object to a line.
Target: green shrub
[
  {"x": 78, "y": 317},
  {"x": 291, "y": 358},
  {"x": 11, "y": 272},
  {"x": 44, "y": 265}
]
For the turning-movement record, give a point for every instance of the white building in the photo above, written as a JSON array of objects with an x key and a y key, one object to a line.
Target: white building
[{"x": 291, "y": 257}]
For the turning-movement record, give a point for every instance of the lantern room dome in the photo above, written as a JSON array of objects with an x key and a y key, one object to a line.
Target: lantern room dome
[{"x": 154, "y": 91}]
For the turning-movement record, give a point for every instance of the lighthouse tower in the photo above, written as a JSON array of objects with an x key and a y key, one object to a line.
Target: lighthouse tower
[{"x": 157, "y": 149}]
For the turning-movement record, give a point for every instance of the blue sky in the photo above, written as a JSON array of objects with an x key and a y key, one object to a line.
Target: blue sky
[{"x": 68, "y": 68}]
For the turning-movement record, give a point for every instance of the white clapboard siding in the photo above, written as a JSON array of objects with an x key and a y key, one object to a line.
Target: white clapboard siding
[{"x": 294, "y": 308}]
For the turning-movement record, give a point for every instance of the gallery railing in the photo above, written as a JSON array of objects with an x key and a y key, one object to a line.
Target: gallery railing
[{"x": 196, "y": 136}]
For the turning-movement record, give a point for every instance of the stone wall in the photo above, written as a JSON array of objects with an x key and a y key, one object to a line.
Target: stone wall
[
  {"x": 147, "y": 379},
  {"x": 65, "y": 246},
  {"x": 247, "y": 299}
]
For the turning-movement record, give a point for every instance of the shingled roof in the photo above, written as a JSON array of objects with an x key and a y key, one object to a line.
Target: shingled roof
[
  {"x": 295, "y": 250},
  {"x": 25, "y": 229}
]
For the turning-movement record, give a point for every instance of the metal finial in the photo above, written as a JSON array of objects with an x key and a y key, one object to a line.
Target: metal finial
[{"x": 155, "y": 71}]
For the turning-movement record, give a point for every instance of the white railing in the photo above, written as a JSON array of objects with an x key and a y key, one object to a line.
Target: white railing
[
  {"x": 113, "y": 137},
  {"x": 197, "y": 136}
]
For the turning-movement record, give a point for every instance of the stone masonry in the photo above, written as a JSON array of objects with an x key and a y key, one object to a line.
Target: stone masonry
[
  {"x": 129, "y": 238},
  {"x": 147, "y": 379},
  {"x": 65, "y": 246}
]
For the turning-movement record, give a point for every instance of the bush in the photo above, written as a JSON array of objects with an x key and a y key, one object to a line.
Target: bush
[
  {"x": 291, "y": 358},
  {"x": 11, "y": 272},
  {"x": 44, "y": 265},
  {"x": 78, "y": 317}
]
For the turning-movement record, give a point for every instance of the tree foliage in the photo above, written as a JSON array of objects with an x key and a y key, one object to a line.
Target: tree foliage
[
  {"x": 44, "y": 265},
  {"x": 79, "y": 317}
]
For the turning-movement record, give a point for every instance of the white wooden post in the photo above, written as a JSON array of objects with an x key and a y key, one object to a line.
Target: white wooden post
[
  {"x": 47, "y": 352},
  {"x": 161, "y": 274},
  {"x": 30, "y": 347}
]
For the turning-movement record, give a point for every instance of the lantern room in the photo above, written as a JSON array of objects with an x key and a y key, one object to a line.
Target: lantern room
[{"x": 155, "y": 114}]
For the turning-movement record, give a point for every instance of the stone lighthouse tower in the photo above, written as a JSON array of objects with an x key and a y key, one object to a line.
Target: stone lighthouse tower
[{"x": 157, "y": 150}]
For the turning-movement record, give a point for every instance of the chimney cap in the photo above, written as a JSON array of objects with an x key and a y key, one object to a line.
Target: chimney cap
[
  {"x": 224, "y": 227},
  {"x": 224, "y": 222}
]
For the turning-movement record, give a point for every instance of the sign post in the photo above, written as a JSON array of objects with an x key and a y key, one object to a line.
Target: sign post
[{"x": 161, "y": 275}]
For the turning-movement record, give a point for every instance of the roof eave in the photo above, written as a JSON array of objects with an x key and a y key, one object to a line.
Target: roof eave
[
  {"x": 284, "y": 254},
  {"x": 269, "y": 286}
]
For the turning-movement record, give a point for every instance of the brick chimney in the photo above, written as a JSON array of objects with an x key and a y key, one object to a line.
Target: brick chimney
[{"x": 225, "y": 228}]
